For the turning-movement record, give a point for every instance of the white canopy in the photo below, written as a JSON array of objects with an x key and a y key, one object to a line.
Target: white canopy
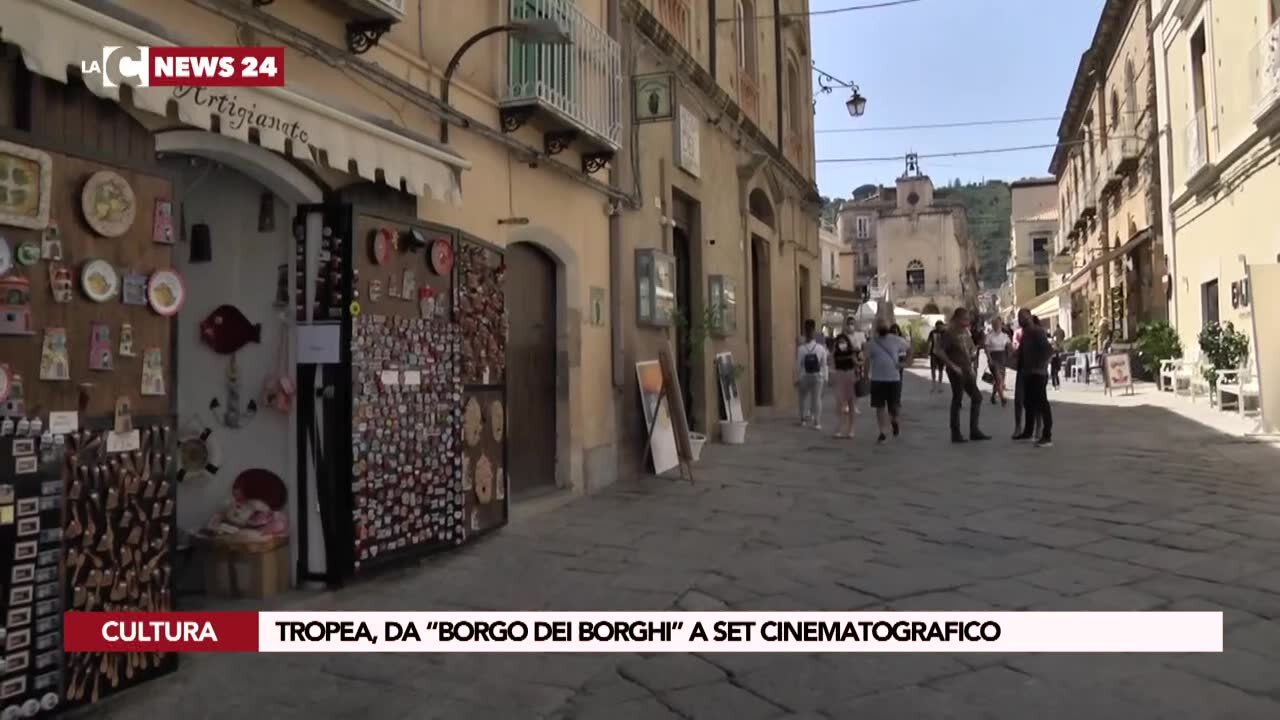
[{"x": 871, "y": 309}]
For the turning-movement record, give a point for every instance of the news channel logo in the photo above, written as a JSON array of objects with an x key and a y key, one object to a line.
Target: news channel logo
[{"x": 119, "y": 64}]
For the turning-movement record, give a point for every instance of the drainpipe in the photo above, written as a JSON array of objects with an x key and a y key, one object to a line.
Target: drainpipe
[
  {"x": 1164, "y": 137},
  {"x": 711, "y": 37},
  {"x": 614, "y": 22},
  {"x": 777, "y": 68}
]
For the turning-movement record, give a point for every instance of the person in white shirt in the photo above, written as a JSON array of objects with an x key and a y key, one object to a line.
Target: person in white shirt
[
  {"x": 997, "y": 347},
  {"x": 811, "y": 376}
]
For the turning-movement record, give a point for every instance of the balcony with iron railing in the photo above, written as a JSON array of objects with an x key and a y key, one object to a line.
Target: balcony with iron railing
[
  {"x": 1089, "y": 194},
  {"x": 1123, "y": 152},
  {"x": 1196, "y": 147},
  {"x": 677, "y": 17},
  {"x": 573, "y": 91},
  {"x": 1265, "y": 59}
]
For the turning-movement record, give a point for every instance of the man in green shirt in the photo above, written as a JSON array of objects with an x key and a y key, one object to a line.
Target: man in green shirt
[{"x": 956, "y": 351}]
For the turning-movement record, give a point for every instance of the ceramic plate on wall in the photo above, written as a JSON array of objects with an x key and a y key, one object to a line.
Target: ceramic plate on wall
[
  {"x": 166, "y": 292},
  {"x": 6, "y": 256},
  {"x": 109, "y": 204},
  {"x": 99, "y": 280},
  {"x": 441, "y": 256}
]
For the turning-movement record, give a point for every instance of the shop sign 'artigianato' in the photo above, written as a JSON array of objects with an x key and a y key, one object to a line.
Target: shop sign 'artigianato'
[{"x": 237, "y": 114}]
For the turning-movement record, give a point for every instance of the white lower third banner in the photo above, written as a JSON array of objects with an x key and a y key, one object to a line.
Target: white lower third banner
[{"x": 720, "y": 632}]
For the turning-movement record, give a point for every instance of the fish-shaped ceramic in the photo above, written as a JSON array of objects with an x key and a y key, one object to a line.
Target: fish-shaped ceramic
[{"x": 226, "y": 330}]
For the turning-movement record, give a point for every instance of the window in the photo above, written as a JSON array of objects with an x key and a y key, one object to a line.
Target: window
[
  {"x": 1088, "y": 146},
  {"x": 792, "y": 114},
  {"x": 863, "y": 227},
  {"x": 1130, "y": 95},
  {"x": 1042, "y": 284},
  {"x": 1115, "y": 108},
  {"x": 1040, "y": 250},
  {"x": 1209, "y": 302},
  {"x": 1198, "y": 50},
  {"x": 915, "y": 275}
]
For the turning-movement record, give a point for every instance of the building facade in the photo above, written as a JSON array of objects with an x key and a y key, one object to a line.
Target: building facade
[
  {"x": 1034, "y": 228},
  {"x": 1108, "y": 169},
  {"x": 856, "y": 224},
  {"x": 925, "y": 259},
  {"x": 721, "y": 166},
  {"x": 1219, "y": 93}
]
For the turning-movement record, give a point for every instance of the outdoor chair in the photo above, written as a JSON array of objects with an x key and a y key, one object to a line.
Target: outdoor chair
[
  {"x": 1200, "y": 384},
  {"x": 1235, "y": 388},
  {"x": 1184, "y": 374}
]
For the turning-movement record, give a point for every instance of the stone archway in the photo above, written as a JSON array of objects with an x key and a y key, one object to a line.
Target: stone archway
[
  {"x": 566, "y": 296},
  {"x": 272, "y": 171}
]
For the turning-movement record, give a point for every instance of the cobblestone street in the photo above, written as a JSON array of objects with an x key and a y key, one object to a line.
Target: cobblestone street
[{"x": 1135, "y": 508}]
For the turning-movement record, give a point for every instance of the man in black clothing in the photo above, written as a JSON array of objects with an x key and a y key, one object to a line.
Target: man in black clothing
[
  {"x": 935, "y": 362},
  {"x": 1036, "y": 353},
  {"x": 955, "y": 351}
]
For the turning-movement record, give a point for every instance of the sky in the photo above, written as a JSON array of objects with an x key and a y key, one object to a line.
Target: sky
[{"x": 946, "y": 61}]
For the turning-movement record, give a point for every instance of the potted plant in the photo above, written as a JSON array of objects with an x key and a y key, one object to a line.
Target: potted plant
[
  {"x": 692, "y": 333},
  {"x": 1156, "y": 342},
  {"x": 1224, "y": 347}
]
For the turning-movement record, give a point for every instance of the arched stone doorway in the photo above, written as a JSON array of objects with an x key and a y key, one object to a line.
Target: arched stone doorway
[
  {"x": 531, "y": 368},
  {"x": 245, "y": 198},
  {"x": 553, "y": 272}
]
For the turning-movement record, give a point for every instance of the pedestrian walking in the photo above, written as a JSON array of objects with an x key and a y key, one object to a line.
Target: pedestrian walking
[
  {"x": 1037, "y": 353},
  {"x": 845, "y": 358},
  {"x": 1055, "y": 365},
  {"x": 1014, "y": 360},
  {"x": 935, "y": 362},
  {"x": 811, "y": 376},
  {"x": 956, "y": 350},
  {"x": 997, "y": 345},
  {"x": 902, "y": 355},
  {"x": 885, "y": 360}
]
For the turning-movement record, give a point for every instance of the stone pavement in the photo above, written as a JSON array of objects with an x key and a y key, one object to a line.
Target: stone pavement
[{"x": 1135, "y": 508}]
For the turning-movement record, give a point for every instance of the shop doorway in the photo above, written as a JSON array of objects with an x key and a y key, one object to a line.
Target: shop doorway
[
  {"x": 684, "y": 309},
  {"x": 531, "y": 370},
  {"x": 762, "y": 321}
]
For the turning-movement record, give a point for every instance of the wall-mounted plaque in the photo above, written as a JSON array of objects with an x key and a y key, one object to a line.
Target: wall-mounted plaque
[
  {"x": 723, "y": 297},
  {"x": 653, "y": 96},
  {"x": 689, "y": 141},
  {"x": 655, "y": 288}
]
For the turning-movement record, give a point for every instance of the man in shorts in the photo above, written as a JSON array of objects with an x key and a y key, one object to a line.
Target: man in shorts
[{"x": 885, "y": 355}]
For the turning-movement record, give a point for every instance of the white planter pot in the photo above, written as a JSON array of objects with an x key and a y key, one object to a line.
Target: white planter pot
[
  {"x": 733, "y": 433},
  {"x": 696, "y": 441}
]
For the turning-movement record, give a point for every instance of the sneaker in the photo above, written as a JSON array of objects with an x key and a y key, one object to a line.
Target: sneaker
[
  {"x": 896, "y": 430},
  {"x": 978, "y": 435},
  {"x": 880, "y": 439},
  {"x": 817, "y": 427},
  {"x": 1042, "y": 443},
  {"x": 958, "y": 438}
]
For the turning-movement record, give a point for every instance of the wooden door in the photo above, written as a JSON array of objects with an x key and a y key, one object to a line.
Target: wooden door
[{"x": 531, "y": 369}]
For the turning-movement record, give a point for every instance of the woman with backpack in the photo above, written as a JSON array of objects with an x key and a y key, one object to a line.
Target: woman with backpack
[{"x": 811, "y": 376}]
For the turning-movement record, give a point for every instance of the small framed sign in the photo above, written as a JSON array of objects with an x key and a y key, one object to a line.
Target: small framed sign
[
  {"x": 1119, "y": 374},
  {"x": 653, "y": 97}
]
